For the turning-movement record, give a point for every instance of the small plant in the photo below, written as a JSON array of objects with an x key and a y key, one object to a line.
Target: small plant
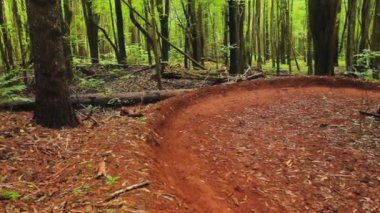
[
  {"x": 91, "y": 83},
  {"x": 362, "y": 66},
  {"x": 111, "y": 180},
  {"x": 142, "y": 119},
  {"x": 10, "y": 87},
  {"x": 81, "y": 190},
  {"x": 4, "y": 194}
]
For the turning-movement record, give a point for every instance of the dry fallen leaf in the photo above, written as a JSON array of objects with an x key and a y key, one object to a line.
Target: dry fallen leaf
[{"x": 101, "y": 170}]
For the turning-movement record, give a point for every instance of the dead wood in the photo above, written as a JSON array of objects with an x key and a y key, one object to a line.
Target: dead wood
[
  {"x": 108, "y": 100},
  {"x": 127, "y": 189},
  {"x": 372, "y": 114},
  {"x": 144, "y": 69}
]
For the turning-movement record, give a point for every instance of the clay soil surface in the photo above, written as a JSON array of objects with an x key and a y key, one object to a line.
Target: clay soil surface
[
  {"x": 284, "y": 145},
  {"x": 275, "y": 146}
]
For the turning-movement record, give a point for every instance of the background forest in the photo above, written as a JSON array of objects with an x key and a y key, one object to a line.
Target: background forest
[{"x": 269, "y": 35}]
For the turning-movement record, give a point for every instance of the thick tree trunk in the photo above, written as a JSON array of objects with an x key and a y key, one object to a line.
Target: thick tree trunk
[
  {"x": 236, "y": 32},
  {"x": 364, "y": 25},
  {"x": 322, "y": 18},
  {"x": 53, "y": 108},
  {"x": 375, "y": 46},
  {"x": 121, "y": 55}
]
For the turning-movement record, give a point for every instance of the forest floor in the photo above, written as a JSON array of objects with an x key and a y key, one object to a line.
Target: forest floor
[{"x": 283, "y": 145}]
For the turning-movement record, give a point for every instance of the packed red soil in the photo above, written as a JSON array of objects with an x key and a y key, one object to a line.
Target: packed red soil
[
  {"x": 282, "y": 145},
  {"x": 293, "y": 145}
]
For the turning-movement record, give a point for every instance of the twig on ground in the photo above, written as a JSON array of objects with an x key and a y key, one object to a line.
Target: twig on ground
[
  {"x": 373, "y": 114},
  {"x": 127, "y": 189}
]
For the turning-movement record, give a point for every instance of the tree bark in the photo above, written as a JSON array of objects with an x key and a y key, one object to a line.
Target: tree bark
[
  {"x": 8, "y": 50},
  {"x": 121, "y": 55},
  {"x": 192, "y": 17},
  {"x": 364, "y": 25},
  {"x": 91, "y": 20},
  {"x": 351, "y": 31},
  {"x": 52, "y": 108},
  {"x": 236, "y": 33},
  {"x": 322, "y": 18},
  {"x": 121, "y": 99},
  {"x": 375, "y": 46},
  {"x": 163, "y": 9}
]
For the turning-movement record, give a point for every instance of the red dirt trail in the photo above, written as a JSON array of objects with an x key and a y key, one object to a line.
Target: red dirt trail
[{"x": 283, "y": 145}]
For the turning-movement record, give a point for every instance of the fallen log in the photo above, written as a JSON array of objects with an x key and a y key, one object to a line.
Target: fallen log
[
  {"x": 109, "y": 100},
  {"x": 211, "y": 78}
]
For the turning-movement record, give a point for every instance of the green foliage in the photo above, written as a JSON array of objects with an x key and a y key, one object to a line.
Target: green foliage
[
  {"x": 81, "y": 190},
  {"x": 91, "y": 84},
  {"x": 111, "y": 180},
  {"x": 362, "y": 66},
  {"x": 11, "y": 88},
  {"x": 142, "y": 119},
  {"x": 4, "y": 194}
]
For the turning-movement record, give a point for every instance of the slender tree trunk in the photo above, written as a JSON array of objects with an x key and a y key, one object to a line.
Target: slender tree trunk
[
  {"x": 122, "y": 54},
  {"x": 196, "y": 53},
  {"x": 8, "y": 50},
  {"x": 19, "y": 29},
  {"x": 309, "y": 54},
  {"x": 336, "y": 37},
  {"x": 226, "y": 36},
  {"x": 234, "y": 42},
  {"x": 66, "y": 24},
  {"x": 375, "y": 46},
  {"x": 258, "y": 34},
  {"x": 148, "y": 43},
  {"x": 163, "y": 9},
  {"x": 52, "y": 105},
  {"x": 351, "y": 32},
  {"x": 322, "y": 18},
  {"x": 91, "y": 20}
]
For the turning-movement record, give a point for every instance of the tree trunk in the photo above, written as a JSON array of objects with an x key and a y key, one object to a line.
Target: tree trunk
[
  {"x": 309, "y": 54},
  {"x": 121, "y": 55},
  {"x": 258, "y": 34},
  {"x": 375, "y": 46},
  {"x": 163, "y": 9},
  {"x": 53, "y": 108},
  {"x": 196, "y": 52},
  {"x": 364, "y": 25},
  {"x": 351, "y": 31},
  {"x": 91, "y": 20},
  {"x": 8, "y": 50},
  {"x": 19, "y": 29},
  {"x": 124, "y": 99},
  {"x": 237, "y": 46},
  {"x": 322, "y": 18},
  {"x": 67, "y": 33}
]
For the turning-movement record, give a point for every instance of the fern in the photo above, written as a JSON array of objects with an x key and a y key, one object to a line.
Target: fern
[{"x": 11, "y": 88}]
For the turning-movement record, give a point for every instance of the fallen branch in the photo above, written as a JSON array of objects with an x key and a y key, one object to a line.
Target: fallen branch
[
  {"x": 372, "y": 114},
  {"x": 144, "y": 69},
  {"x": 113, "y": 99},
  {"x": 125, "y": 190}
]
